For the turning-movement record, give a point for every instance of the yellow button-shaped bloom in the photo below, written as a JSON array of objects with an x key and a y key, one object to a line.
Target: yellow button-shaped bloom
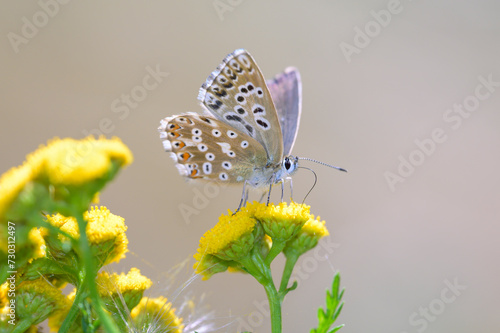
[
  {"x": 281, "y": 222},
  {"x": 307, "y": 238},
  {"x": 74, "y": 162},
  {"x": 232, "y": 237},
  {"x": 158, "y": 313},
  {"x": 105, "y": 232}
]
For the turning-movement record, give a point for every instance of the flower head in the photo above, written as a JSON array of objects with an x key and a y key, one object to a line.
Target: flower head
[
  {"x": 307, "y": 238},
  {"x": 281, "y": 222},
  {"x": 75, "y": 162},
  {"x": 105, "y": 232},
  {"x": 66, "y": 171},
  {"x": 11, "y": 184},
  {"x": 232, "y": 237},
  {"x": 156, "y": 315},
  {"x": 130, "y": 286}
]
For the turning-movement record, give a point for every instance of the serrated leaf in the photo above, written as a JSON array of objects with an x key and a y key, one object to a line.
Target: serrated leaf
[{"x": 327, "y": 316}]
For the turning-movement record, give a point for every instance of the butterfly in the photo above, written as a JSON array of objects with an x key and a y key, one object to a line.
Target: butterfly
[{"x": 248, "y": 128}]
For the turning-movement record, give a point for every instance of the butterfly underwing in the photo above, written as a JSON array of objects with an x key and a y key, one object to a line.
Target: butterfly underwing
[{"x": 247, "y": 129}]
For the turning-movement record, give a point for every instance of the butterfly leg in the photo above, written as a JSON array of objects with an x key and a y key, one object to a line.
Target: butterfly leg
[
  {"x": 282, "y": 189},
  {"x": 244, "y": 197},
  {"x": 291, "y": 188},
  {"x": 262, "y": 196},
  {"x": 269, "y": 194}
]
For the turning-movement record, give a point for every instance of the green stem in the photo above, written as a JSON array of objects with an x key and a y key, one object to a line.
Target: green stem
[
  {"x": 272, "y": 294},
  {"x": 73, "y": 311},
  {"x": 276, "y": 249},
  {"x": 291, "y": 260},
  {"x": 89, "y": 276},
  {"x": 274, "y": 306},
  {"x": 22, "y": 326}
]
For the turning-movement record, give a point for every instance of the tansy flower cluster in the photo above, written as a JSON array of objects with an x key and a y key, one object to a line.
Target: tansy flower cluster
[
  {"x": 50, "y": 237},
  {"x": 258, "y": 230},
  {"x": 250, "y": 239}
]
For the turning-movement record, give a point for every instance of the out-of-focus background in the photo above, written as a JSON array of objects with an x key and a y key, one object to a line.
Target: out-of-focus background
[{"x": 405, "y": 94}]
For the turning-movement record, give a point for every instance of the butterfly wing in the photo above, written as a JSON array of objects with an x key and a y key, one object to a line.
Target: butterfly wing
[
  {"x": 204, "y": 147},
  {"x": 236, "y": 94},
  {"x": 286, "y": 91}
]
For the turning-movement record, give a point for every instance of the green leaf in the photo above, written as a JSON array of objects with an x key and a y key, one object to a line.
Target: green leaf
[{"x": 334, "y": 304}]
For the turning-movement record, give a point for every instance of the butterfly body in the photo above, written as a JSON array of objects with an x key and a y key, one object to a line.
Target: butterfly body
[{"x": 247, "y": 130}]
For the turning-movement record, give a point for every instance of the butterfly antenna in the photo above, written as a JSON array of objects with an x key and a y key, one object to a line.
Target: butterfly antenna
[
  {"x": 322, "y": 163},
  {"x": 315, "y": 181}
]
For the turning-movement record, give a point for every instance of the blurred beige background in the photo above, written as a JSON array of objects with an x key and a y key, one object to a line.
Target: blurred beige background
[{"x": 417, "y": 253}]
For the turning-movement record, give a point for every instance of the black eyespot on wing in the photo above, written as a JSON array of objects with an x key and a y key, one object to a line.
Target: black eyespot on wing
[
  {"x": 262, "y": 123},
  {"x": 220, "y": 93},
  {"x": 216, "y": 105},
  {"x": 258, "y": 109},
  {"x": 233, "y": 117},
  {"x": 240, "y": 110}
]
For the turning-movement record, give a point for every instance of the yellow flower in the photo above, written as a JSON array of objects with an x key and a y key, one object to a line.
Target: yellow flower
[
  {"x": 4, "y": 289},
  {"x": 36, "y": 239},
  {"x": 129, "y": 286},
  {"x": 11, "y": 184},
  {"x": 38, "y": 299},
  {"x": 232, "y": 237},
  {"x": 57, "y": 174},
  {"x": 156, "y": 315},
  {"x": 208, "y": 265},
  {"x": 307, "y": 238},
  {"x": 283, "y": 221},
  {"x": 75, "y": 162},
  {"x": 105, "y": 232}
]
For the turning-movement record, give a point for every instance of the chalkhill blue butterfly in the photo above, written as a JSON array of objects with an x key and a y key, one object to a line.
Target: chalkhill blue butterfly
[{"x": 247, "y": 131}]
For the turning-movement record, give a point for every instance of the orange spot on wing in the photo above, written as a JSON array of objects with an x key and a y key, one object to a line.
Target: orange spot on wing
[
  {"x": 173, "y": 126},
  {"x": 194, "y": 173},
  {"x": 185, "y": 156}
]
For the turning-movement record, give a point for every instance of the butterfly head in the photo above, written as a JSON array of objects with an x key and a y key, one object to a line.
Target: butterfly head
[{"x": 289, "y": 165}]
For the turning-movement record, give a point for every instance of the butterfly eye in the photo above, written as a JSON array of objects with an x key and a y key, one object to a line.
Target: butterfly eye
[{"x": 287, "y": 163}]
